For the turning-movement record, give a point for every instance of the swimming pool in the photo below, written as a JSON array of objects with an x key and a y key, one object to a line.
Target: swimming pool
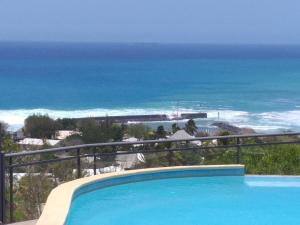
[{"x": 187, "y": 197}]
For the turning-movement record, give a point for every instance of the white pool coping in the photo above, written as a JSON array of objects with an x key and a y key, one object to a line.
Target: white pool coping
[{"x": 60, "y": 199}]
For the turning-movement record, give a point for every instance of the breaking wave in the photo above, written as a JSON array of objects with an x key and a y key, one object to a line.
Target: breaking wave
[{"x": 261, "y": 122}]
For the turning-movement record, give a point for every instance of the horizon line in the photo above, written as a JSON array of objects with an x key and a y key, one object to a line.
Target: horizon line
[{"x": 146, "y": 43}]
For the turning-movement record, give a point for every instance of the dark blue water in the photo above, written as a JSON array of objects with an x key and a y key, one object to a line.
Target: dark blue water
[
  {"x": 255, "y": 86},
  {"x": 192, "y": 201}
]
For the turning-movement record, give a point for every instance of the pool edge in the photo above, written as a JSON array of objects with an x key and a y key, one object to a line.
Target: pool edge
[{"x": 59, "y": 201}]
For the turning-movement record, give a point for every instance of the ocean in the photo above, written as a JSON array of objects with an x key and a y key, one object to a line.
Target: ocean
[{"x": 252, "y": 86}]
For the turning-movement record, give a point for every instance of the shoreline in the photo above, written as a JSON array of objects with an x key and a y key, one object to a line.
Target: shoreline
[{"x": 264, "y": 122}]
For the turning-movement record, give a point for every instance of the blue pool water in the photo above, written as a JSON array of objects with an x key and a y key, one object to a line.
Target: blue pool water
[{"x": 228, "y": 200}]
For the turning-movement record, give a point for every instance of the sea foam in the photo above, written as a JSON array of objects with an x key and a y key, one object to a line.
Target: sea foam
[{"x": 261, "y": 122}]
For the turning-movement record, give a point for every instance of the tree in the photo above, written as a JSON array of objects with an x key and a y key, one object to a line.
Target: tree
[
  {"x": 66, "y": 124},
  {"x": 3, "y": 129},
  {"x": 74, "y": 139},
  {"x": 3, "y": 132},
  {"x": 175, "y": 128},
  {"x": 138, "y": 131},
  {"x": 8, "y": 145},
  {"x": 225, "y": 141},
  {"x": 40, "y": 126},
  {"x": 160, "y": 132},
  {"x": 190, "y": 127},
  {"x": 94, "y": 132},
  {"x": 91, "y": 131},
  {"x": 116, "y": 132},
  {"x": 32, "y": 191}
]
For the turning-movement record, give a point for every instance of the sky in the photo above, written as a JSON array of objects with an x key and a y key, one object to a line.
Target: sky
[{"x": 159, "y": 21}]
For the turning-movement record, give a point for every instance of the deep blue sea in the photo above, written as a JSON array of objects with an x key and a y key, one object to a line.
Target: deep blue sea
[{"x": 250, "y": 86}]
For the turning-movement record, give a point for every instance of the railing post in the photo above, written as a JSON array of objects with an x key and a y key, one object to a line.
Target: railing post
[
  {"x": 170, "y": 158},
  {"x": 11, "y": 194},
  {"x": 95, "y": 161},
  {"x": 238, "y": 151},
  {"x": 2, "y": 188},
  {"x": 78, "y": 164},
  {"x": 170, "y": 155}
]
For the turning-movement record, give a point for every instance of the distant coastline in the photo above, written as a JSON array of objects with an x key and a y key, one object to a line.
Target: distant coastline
[{"x": 275, "y": 122}]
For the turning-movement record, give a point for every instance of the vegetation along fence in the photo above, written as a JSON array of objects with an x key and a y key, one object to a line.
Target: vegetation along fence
[{"x": 27, "y": 177}]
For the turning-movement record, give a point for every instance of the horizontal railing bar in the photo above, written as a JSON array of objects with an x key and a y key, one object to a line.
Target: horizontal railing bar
[
  {"x": 149, "y": 152},
  {"x": 147, "y": 142},
  {"x": 98, "y": 154},
  {"x": 270, "y": 143},
  {"x": 81, "y": 156},
  {"x": 41, "y": 162}
]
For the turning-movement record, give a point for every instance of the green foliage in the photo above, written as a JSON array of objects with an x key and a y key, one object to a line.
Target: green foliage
[
  {"x": 225, "y": 141},
  {"x": 66, "y": 124},
  {"x": 138, "y": 131},
  {"x": 160, "y": 132},
  {"x": 172, "y": 158},
  {"x": 91, "y": 131},
  {"x": 274, "y": 159},
  {"x": 40, "y": 126},
  {"x": 220, "y": 156},
  {"x": 108, "y": 154},
  {"x": 190, "y": 127},
  {"x": 155, "y": 160},
  {"x": 116, "y": 132},
  {"x": 281, "y": 159},
  {"x": 175, "y": 128},
  {"x": 94, "y": 132},
  {"x": 63, "y": 171},
  {"x": 186, "y": 158},
  {"x": 3, "y": 130},
  {"x": 162, "y": 159},
  {"x": 31, "y": 192},
  {"x": 72, "y": 140},
  {"x": 9, "y": 146}
]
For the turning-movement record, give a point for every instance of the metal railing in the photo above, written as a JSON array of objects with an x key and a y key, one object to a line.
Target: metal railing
[{"x": 9, "y": 162}]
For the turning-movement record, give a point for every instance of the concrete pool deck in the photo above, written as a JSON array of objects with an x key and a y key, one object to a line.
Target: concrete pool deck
[
  {"x": 60, "y": 198},
  {"x": 28, "y": 222}
]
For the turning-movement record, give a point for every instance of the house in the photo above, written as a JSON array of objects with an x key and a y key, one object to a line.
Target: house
[
  {"x": 38, "y": 142},
  {"x": 18, "y": 135},
  {"x": 182, "y": 134},
  {"x": 128, "y": 161},
  {"x": 63, "y": 134},
  {"x": 132, "y": 139}
]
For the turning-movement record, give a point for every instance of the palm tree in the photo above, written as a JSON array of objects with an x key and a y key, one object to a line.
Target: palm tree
[
  {"x": 175, "y": 127},
  {"x": 160, "y": 132},
  {"x": 190, "y": 127}
]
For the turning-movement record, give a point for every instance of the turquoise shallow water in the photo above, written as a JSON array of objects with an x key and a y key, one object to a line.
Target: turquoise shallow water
[
  {"x": 256, "y": 86},
  {"x": 192, "y": 201}
]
